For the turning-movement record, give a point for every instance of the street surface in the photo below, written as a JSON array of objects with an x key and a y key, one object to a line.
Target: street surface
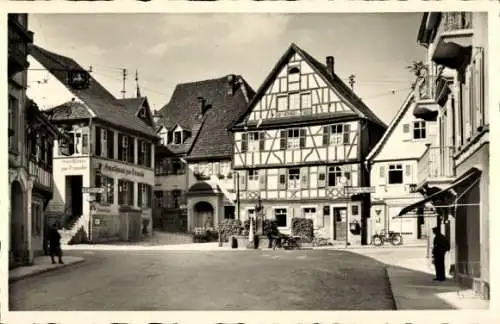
[{"x": 209, "y": 280}]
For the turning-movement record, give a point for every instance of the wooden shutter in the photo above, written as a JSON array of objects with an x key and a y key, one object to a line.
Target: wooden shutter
[
  {"x": 407, "y": 174},
  {"x": 244, "y": 142},
  {"x": 98, "y": 146},
  {"x": 304, "y": 177},
  {"x": 479, "y": 88},
  {"x": 407, "y": 135},
  {"x": 85, "y": 140},
  {"x": 282, "y": 179},
  {"x": 97, "y": 183},
  {"x": 466, "y": 108},
  {"x": 382, "y": 174},
  {"x": 262, "y": 179},
  {"x": 262, "y": 141},
  {"x": 111, "y": 144},
  {"x": 321, "y": 176},
  {"x": 347, "y": 133},
  {"x": 242, "y": 178},
  {"x": 302, "y": 139},
  {"x": 283, "y": 140},
  {"x": 326, "y": 135}
]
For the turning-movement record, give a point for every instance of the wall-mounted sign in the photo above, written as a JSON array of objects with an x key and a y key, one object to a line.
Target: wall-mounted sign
[
  {"x": 359, "y": 190},
  {"x": 127, "y": 171}
]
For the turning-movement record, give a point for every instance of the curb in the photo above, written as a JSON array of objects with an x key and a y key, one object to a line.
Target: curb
[
  {"x": 393, "y": 297},
  {"x": 33, "y": 274}
]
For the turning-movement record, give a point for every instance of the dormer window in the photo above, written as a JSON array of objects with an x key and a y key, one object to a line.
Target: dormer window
[
  {"x": 178, "y": 137},
  {"x": 142, "y": 113}
]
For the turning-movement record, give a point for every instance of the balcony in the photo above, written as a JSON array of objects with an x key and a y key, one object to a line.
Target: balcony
[
  {"x": 43, "y": 176},
  {"x": 454, "y": 43},
  {"x": 19, "y": 38},
  {"x": 431, "y": 92},
  {"x": 436, "y": 167}
]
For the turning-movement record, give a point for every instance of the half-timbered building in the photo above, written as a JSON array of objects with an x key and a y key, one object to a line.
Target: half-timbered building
[
  {"x": 194, "y": 185},
  {"x": 302, "y": 141}
]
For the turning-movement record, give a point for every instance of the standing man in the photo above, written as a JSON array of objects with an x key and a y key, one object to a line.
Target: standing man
[
  {"x": 55, "y": 244},
  {"x": 441, "y": 246}
]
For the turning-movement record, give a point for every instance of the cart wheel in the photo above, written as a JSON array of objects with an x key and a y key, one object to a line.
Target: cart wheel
[
  {"x": 396, "y": 239},
  {"x": 377, "y": 240}
]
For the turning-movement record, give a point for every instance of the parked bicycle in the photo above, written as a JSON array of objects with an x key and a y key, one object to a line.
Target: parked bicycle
[
  {"x": 286, "y": 242},
  {"x": 387, "y": 236}
]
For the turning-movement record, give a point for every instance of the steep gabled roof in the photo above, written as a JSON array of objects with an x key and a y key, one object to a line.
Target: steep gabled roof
[
  {"x": 395, "y": 122},
  {"x": 336, "y": 84},
  {"x": 134, "y": 105},
  {"x": 209, "y": 137},
  {"x": 99, "y": 100}
]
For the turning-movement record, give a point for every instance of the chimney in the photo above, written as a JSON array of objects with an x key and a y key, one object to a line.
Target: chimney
[
  {"x": 230, "y": 84},
  {"x": 202, "y": 102},
  {"x": 156, "y": 117},
  {"x": 330, "y": 64}
]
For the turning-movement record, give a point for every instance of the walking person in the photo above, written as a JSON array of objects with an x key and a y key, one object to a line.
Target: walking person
[
  {"x": 441, "y": 246},
  {"x": 54, "y": 239}
]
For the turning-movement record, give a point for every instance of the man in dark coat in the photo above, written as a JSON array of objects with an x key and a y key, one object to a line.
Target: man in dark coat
[
  {"x": 441, "y": 246},
  {"x": 54, "y": 239}
]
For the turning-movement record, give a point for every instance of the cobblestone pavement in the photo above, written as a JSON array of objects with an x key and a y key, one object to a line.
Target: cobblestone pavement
[{"x": 207, "y": 280}]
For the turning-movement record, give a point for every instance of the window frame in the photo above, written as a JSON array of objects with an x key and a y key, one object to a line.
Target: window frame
[
  {"x": 275, "y": 216},
  {"x": 419, "y": 127},
  {"x": 392, "y": 168}
]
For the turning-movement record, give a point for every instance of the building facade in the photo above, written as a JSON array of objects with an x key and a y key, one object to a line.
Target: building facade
[
  {"x": 30, "y": 140},
  {"x": 194, "y": 177},
  {"x": 456, "y": 83},
  {"x": 301, "y": 146},
  {"x": 110, "y": 149},
  {"x": 395, "y": 174}
]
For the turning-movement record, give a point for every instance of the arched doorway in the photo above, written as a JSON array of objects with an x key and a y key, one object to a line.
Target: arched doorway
[
  {"x": 17, "y": 220},
  {"x": 203, "y": 214}
]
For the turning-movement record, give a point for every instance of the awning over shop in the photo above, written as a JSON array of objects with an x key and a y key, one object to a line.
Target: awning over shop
[{"x": 458, "y": 185}]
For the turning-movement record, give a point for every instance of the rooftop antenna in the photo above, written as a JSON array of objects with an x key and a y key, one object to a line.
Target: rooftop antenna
[
  {"x": 124, "y": 74},
  {"x": 137, "y": 82}
]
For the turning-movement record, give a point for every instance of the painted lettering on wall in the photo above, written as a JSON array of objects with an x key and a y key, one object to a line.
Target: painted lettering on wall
[
  {"x": 74, "y": 165},
  {"x": 125, "y": 171}
]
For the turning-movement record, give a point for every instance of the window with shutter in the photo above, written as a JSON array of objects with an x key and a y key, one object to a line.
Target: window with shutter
[{"x": 406, "y": 132}]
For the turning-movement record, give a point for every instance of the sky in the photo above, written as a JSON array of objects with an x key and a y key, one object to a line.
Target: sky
[{"x": 167, "y": 49}]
